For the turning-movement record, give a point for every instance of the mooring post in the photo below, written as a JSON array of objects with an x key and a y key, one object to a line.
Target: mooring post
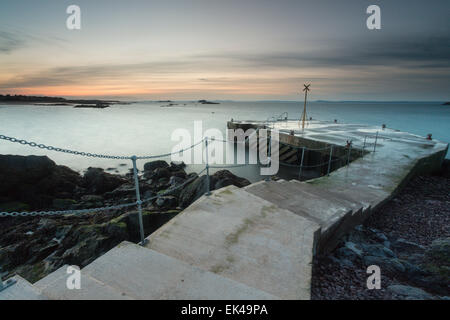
[
  {"x": 269, "y": 155},
  {"x": 301, "y": 163},
  {"x": 208, "y": 189},
  {"x": 375, "y": 145},
  {"x": 138, "y": 200},
  {"x": 329, "y": 161}
]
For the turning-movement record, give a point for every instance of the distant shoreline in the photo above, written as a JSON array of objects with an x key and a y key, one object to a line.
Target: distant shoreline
[{"x": 57, "y": 101}]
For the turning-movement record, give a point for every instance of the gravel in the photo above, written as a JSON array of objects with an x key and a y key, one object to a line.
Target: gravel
[{"x": 420, "y": 213}]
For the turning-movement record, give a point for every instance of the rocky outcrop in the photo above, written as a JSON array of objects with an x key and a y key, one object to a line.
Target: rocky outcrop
[
  {"x": 218, "y": 180},
  {"x": 35, "y": 246},
  {"x": 97, "y": 181}
]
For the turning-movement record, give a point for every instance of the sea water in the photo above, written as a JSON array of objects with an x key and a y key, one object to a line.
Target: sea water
[{"x": 145, "y": 128}]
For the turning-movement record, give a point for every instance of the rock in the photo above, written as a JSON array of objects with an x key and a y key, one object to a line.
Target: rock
[
  {"x": 18, "y": 170},
  {"x": 439, "y": 251},
  {"x": 150, "y": 166},
  {"x": 218, "y": 180},
  {"x": 391, "y": 265},
  {"x": 14, "y": 206},
  {"x": 410, "y": 293},
  {"x": 350, "y": 249},
  {"x": 225, "y": 178},
  {"x": 63, "y": 204},
  {"x": 92, "y": 198},
  {"x": 174, "y": 181},
  {"x": 381, "y": 236},
  {"x": 167, "y": 202},
  {"x": 177, "y": 166},
  {"x": 96, "y": 181},
  {"x": 193, "y": 191},
  {"x": 407, "y": 247},
  {"x": 124, "y": 190},
  {"x": 378, "y": 250},
  {"x": 46, "y": 224}
]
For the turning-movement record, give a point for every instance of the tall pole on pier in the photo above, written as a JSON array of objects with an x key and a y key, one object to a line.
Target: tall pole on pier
[{"x": 306, "y": 89}]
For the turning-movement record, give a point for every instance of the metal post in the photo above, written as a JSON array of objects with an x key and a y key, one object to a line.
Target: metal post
[
  {"x": 301, "y": 163},
  {"x": 329, "y": 161},
  {"x": 138, "y": 200},
  {"x": 364, "y": 145},
  {"x": 375, "y": 145},
  {"x": 349, "y": 152},
  {"x": 208, "y": 188},
  {"x": 269, "y": 154}
]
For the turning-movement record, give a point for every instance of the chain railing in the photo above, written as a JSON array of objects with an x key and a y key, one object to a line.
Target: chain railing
[{"x": 134, "y": 159}]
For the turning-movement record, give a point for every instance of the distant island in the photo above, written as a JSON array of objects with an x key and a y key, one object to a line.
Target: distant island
[
  {"x": 57, "y": 101},
  {"x": 446, "y": 103},
  {"x": 207, "y": 102}
]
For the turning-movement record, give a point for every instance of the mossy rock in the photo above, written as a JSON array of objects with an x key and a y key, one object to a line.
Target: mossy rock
[
  {"x": 14, "y": 206},
  {"x": 63, "y": 204}
]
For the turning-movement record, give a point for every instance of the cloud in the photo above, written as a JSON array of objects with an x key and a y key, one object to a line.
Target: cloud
[
  {"x": 10, "y": 42},
  {"x": 376, "y": 63}
]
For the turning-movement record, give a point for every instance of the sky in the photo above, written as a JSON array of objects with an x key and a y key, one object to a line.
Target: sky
[{"x": 226, "y": 49}]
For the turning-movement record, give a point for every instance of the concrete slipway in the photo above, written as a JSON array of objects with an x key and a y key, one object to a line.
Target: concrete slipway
[{"x": 257, "y": 242}]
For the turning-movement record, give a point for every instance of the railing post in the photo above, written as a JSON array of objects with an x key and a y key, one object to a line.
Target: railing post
[
  {"x": 349, "y": 152},
  {"x": 301, "y": 163},
  {"x": 269, "y": 154},
  {"x": 138, "y": 200},
  {"x": 208, "y": 187},
  {"x": 375, "y": 145},
  {"x": 329, "y": 161},
  {"x": 364, "y": 145}
]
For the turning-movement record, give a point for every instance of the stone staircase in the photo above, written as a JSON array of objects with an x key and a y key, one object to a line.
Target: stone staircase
[{"x": 252, "y": 243}]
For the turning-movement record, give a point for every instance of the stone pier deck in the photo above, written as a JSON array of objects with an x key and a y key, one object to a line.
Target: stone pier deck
[{"x": 257, "y": 242}]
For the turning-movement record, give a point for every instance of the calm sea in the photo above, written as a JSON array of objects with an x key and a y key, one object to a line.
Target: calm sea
[{"x": 145, "y": 128}]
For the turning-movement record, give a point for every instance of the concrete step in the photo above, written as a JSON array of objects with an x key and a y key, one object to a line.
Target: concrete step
[
  {"x": 318, "y": 208},
  {"x": 55, "y": 288},
  {"x": 287, "y": 155},
  {"x": 331, "y": 213},
  {"x": 130, "y": 272},
  {"x": 21, "y": 290},
  {"x": 292, "y": 160},
  {"x": 146, "y": 274},
  {"x": 245, "y": 238},
  {"x": 284, "y": 149}
]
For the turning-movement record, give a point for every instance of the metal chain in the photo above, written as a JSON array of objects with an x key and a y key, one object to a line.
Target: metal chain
[
  {"x": 82, "y": 211},
  {"x": 51, "y": 148},
  {"x": 65, "y": 212},
  {"x": 88, "y": 154}
]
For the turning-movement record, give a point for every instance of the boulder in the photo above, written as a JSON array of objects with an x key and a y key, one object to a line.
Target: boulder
[
  {"x": 18, "y": 170},
  {"x": 391, "y": 265},
  {"x": 97, "y": 181},
  {"x": 193, "y": 191},
  {"x": 198, "y": 187},
  {"x": 150, "y": 166},
  {"x": 63, "y": 204},
  {"x": 224, "y": 178},
  {"x": 167, "y": 202}
]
